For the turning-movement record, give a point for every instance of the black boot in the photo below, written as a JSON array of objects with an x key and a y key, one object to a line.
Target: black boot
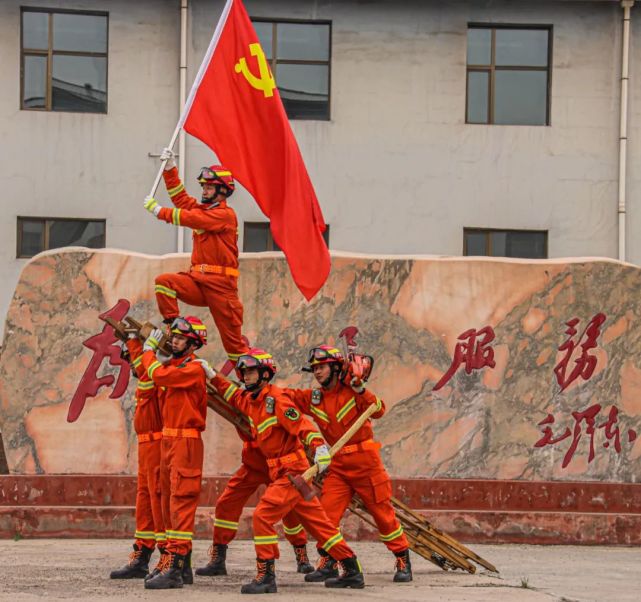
[
  {"x": 265, "y": 580},
  {"x": 188, "y": 574},
  {"x": 158, "y": 566},
  {"x": 351, "y": 577},
  {"x": 302, "y": 560},
  {"x": 170, "y": 575},
  {"x": 138, "y": 565},
  {"x": 216, "y": 565},
  {"x": 327, "y": 567},
  {"x": 403, "y": 567}
]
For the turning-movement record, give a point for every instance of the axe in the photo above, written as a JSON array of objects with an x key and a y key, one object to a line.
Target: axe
[{"x": 301, "y": 481}]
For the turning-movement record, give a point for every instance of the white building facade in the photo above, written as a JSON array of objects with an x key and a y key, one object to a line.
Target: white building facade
[{"x": 427, "y": 126}]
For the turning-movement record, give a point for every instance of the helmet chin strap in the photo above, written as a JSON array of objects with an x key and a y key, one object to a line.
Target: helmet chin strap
[
  {"x": 179, "y": 354},
  {"x": 335, "y": 371}
]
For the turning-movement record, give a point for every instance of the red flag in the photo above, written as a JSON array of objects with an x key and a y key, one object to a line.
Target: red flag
[{"x": 235, "y": 109}]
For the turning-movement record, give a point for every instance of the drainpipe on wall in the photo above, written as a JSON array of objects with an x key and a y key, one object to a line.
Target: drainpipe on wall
[
  {"x": 623, "y": 130},
  {"x": 184, "y": 5}
]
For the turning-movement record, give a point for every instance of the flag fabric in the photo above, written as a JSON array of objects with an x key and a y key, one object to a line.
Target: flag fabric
[{"x": 235, "y": 108}]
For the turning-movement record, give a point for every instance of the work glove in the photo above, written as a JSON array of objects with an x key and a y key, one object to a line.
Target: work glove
[
  {"x": 322, "y": 458},
  {"x": 152, "y": 205},
  {"x": 168, "y": 154},
  {"x": 206, "y": 366},
  {"x": 153, "y": 340}
]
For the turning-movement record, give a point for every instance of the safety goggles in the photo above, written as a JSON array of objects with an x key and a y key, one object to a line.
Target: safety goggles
[
  {"x": 207, "y": 173},
  {"x": 181, "y": 326},
  {"x": 317, "y": 355},
  {"x": 247, "y": 361}
]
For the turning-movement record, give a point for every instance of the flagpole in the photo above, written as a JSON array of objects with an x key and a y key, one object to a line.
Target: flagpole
[{"x": 194, "y": 88}]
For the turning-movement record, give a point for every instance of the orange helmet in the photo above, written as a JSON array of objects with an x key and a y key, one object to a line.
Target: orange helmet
[
  {"x": 192, "y": 328},
  {"x": 324, "y": 354},
  {"x": 217, "y": 174},
  {"x": 255, "y": 358}
]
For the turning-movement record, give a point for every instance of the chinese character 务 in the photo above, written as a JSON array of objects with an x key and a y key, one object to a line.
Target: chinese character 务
[
  {"x": 102, "y": 345},
  {"x": 473, "y": 351},
  {"x": 585, "y": 364}
]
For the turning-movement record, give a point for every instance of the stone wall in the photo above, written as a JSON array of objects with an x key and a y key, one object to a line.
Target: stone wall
[{"x": 411, "y": 313}]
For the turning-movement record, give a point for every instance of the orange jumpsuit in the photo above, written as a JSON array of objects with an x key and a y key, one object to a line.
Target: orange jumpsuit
[
  {"x": 150, "y": 529},
  {"x": 252, "y": 473},
  {"x": 184, "y": 410},
  {"x": 357, "y": 468},
  {"x": 280, "y": 432},
  {"x": 213, "y": 277}
]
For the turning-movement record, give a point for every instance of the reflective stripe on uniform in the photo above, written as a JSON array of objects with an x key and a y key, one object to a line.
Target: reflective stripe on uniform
[
  {"x": 266, "y": 424},
  {"x": 145, "y": 385},
  {"x": 379, "y": 404},
  {"x": 346, "y": 408},
  {"x": 225, "y": 524},
  {"x": 393, "y": 535},
  {"x": 153, "y": 368},
  {"x": 184, "y": 535},
  {"x": 145, "y": 535},
  {"x": 319, "y": 413},
  {"x": 294, "y": 530},
  {"x": 311, "y": 436},
  {"x": 172, "y": 192},
  {"x": 175, "y": 217},
  {"x": 231, "y": 389},
  {"x": 161, "y": 536},
  {"x": 163, "y": 290},
  {"x": 137, "y": 362},
  {"x": 331, "y": 542},
  {"x": 265, "y": 540}
]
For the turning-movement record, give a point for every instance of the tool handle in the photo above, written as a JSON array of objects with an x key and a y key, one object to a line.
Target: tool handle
[{"x": 311, "y": 472}]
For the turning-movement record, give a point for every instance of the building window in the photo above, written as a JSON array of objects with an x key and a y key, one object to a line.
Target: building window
[
  {"x": 36, "y": 234},
  {"x": 64, "y": 60},
  {"x": 299, "y": 57},
  {"x": 257, "y": 237},
  {"x": 508, "y": 74},
  {"x": 527, "y": 244}
]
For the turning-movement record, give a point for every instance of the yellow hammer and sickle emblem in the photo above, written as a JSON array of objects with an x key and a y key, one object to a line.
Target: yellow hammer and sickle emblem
[{"x": 266, "y": 81}]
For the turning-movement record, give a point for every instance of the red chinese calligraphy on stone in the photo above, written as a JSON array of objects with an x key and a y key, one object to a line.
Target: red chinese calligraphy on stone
[
  {"x": 609, "y": 426},
  {"x": 474, "y": 352},
  {"x": 585, "y": 364},
  {"x": 610, "y": 432},
  {"x": 589, "y": 416},
  {"x": 102, "y": 345},
  {"x": 548, "y": 437}
]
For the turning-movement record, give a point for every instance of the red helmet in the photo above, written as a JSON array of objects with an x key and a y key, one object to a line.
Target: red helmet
[
  {"x": 255, "y": 358},
  {"x": 217, "y": 174},
  {"x": 324, "y": 354},
  {"x": 192, "y": 328}
]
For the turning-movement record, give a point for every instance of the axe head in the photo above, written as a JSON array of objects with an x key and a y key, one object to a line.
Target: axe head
[{"x": 305, "y": 489}]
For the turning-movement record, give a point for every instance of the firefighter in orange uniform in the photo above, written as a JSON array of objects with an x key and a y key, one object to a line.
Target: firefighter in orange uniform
[
  {"x": 281, "y": 433},
  {"x": 357, "y": 468},
  {"x": 150, "y": 531},
  {"x": 184, "y": 411},
  {"x": 253, "y": 472},
  {"x": 213, "y": 277}
]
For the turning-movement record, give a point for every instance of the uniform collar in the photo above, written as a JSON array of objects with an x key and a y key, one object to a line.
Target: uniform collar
[{"x": 257, "y": 397}]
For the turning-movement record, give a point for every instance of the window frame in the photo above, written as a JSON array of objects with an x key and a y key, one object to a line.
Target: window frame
[
  {"x": 488, "y": 241},
  {"x": 270, "y": 239},
  {"x": 47, "y": 226},
  {"x": 274, "y": 61},
  {"x": 49, "y": 54},
  {"x": 492, "y": 68}
]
